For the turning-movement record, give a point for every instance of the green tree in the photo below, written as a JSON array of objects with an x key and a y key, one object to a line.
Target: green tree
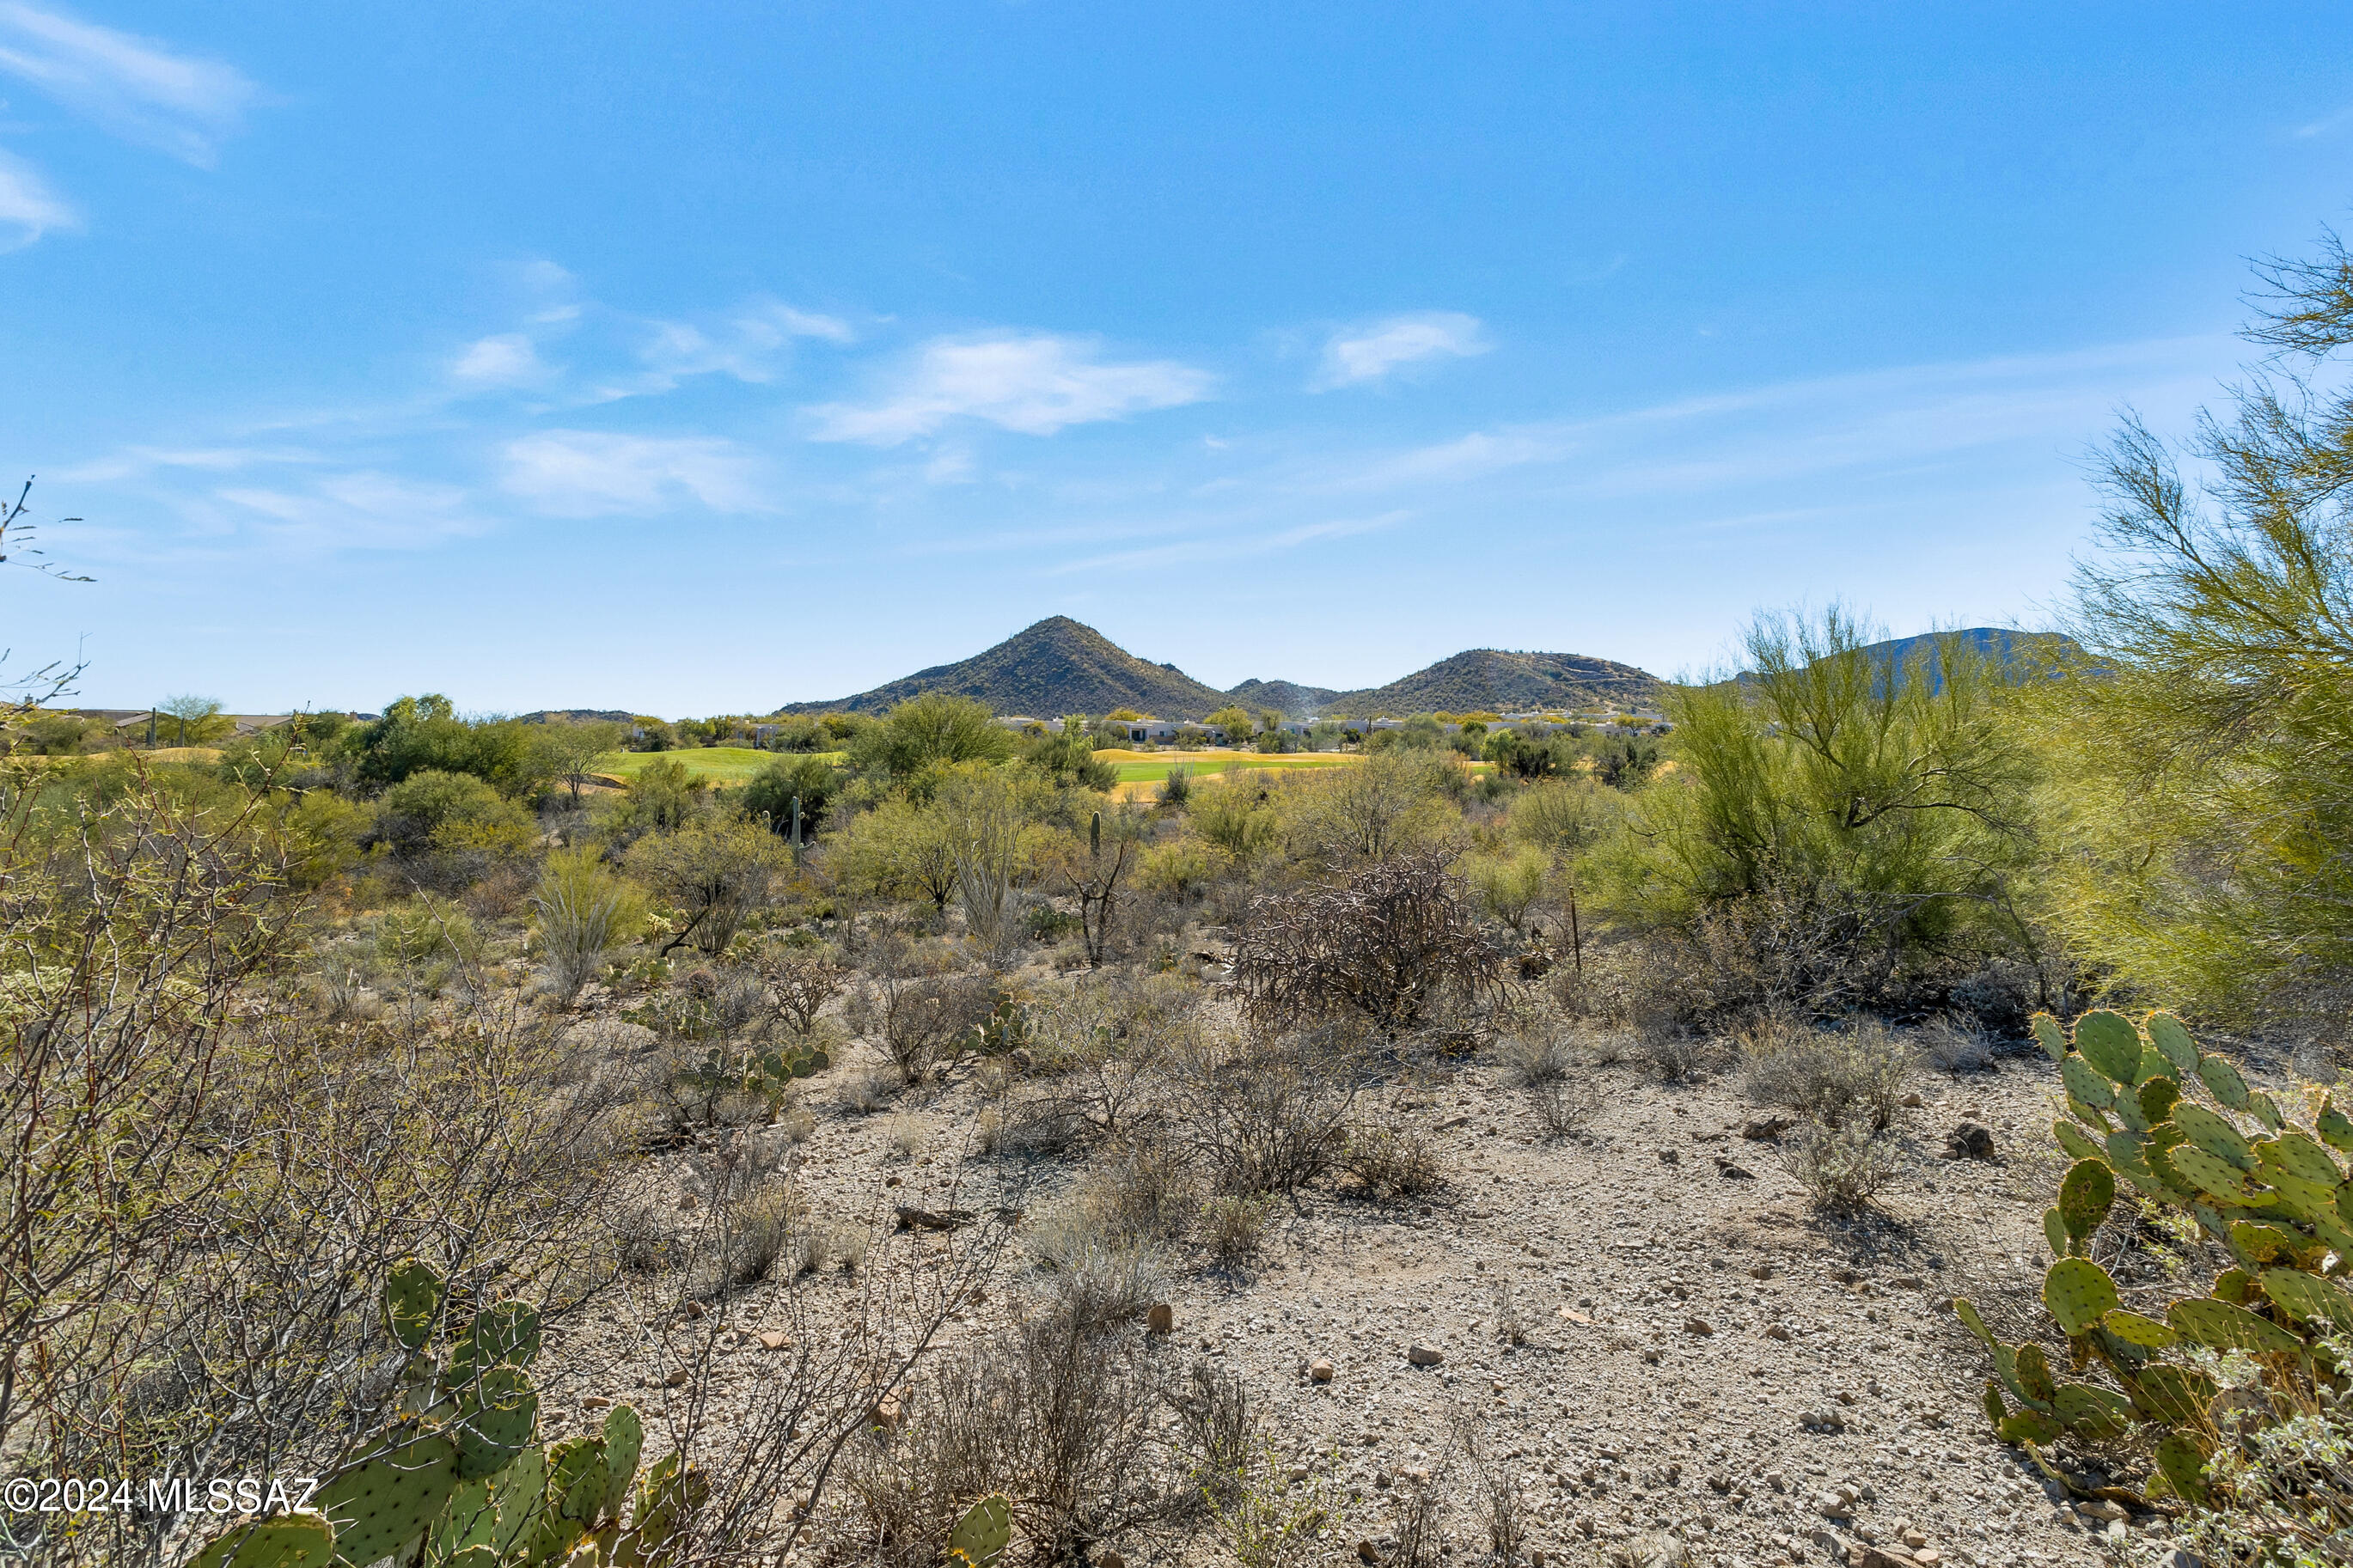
[
  {"x": 714, "y": 872},
  {"x": 568, "y": 750},
  {"x": 2202, "y": 791},
  {"x": 1070, "y": 759},
  {"x": 1868, "y": 815},
  {"x": 811, "y": 780},
  {"x": 1235, "y": 719},
  {"x": 931, "y": 732},
  {"x": 901, "y": 849},
  {"x": 185, "y": 711}
]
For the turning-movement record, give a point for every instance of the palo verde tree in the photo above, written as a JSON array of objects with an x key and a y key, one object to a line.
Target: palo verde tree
[{"x": 2201, "y": 792}]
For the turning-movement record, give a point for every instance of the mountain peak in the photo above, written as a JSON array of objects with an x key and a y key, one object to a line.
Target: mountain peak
[{"x": 1054, "y": 667}]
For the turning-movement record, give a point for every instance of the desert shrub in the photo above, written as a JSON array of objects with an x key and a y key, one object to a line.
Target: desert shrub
[
  {"x": 580, "y": 913},
  {"x": 1177, "y": 789},
  {"x": 923, "y": 1016},
  {"x": 1217, "y": 1428},
  {"x": 1835, "y": 1076},
  {"x": 1181, "y": 867},
  {"x": 1097, "y": 1281},
  {"x": 753, "y": 1231},
  {"x": 1268, "y": 1115},
  {"x": 1852, "y": 819},
  {"x": 1386, "y": 943},
  {"x": 644, "y": 1241},
  {"x": 1508, "y": 884},
  {"x": 1393, "y": 1162},
  {"x": 1036, "y": 1124},
  {"x": 1233, "y": 1227},
  {"x": 1564, "y": 1107},
  {"x": 1564, "y": 816},
  {"x": 1111, "y": 1037},
  {"x": 1953, "y": 1043},
  {"x": 1056, "y": 1414},
  {"x": 715, "y": 873},
  {"x": 1142, "y": 1189},
  {"x": 1396, "y": 801},
  {"x": 1237, "y": 817},
  {"x": 1534, "y": 1056},
  {"x": 1267, "y": 1520},
  {"x": 802, "y": 980},
  {"x": 1841, "y": 1168},
  {"x": 1676, "y": 1053},
  {"x": 867, "y": 1092}
]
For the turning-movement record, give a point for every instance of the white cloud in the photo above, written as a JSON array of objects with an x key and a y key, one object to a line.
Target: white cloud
[
  {"x": 362, "y": 510},
  {"x": 1370, "y": 354},
  {"x": 587, "y": 473},
  {"x": 507, "y": 359},
  {"x": 28, "y": 208},
  {"x": 1232, "y": 549},
  {"x": 137, "y": 88},
  {"x": 1036, "y": 385},
  {"x": 745, "y": 346}
]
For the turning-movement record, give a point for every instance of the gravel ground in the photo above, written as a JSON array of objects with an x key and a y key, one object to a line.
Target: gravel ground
[{"x": 1702, "y": 1353}]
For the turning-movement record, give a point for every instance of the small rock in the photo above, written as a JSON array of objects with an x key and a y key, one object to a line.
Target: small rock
[
  {"x": 1970, "y": 1141},
  {"x": 1886, "y": 1557},
  {"x": 1913, "y": 1102},
  {"x": 676, "y": 1378},
  {"x": 1021, "y": 1059},
  {"x": 1105, "y": 1557},
  {"x": 2178, "y": 1558},
  {"x": 1767, "y": 1129},
  {"x": 1698, "y": 1326},
  {"x": 887, "y": 1413},
  {"x": 1732, "y": 1173},
  {"x": 1160, "y": 1318},
  {"x": 1776, "y": 1332},
  {"x": 2102, "y": 1508},
  {"x": 1914, "y": 1539},
  {"x": 1367, "y": 1553},
  {"x": 1425, "y": 1355},
  {"x": 1670, "y": 1157},
  {"x": 696, "y": 1308},
  {"x": 1319, "y": 1371},
  {"x": 1825, "y": 1539},
  {"x": 1777, "y": 1480},
  {"x": 772, "y": 1340}
]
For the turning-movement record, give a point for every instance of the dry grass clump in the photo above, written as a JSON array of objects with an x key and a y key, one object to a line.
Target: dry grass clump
[
  {"x": 1841, "y": 1168},
  {"x": 1860, "y": 1073},
  {"x": 1955, "y": 1044},
  {"x": 1233, "y": 1227},
  {"x": 1393, "y": 1162},
  {"x": 1268, "y": 1114},
  {"x": 1565, "y": 1108}
]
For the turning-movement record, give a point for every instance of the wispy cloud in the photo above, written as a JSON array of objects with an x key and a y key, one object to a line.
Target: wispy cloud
[
  {"x": 363, "y": 511},
  {"x": 504, "y": 359},
  {"x": 1227, "y": 547},
  {"x": 1371, "y": 353},
  {"x": 28, "y": 208},
  {"x": 139, "y": 89},
  {"x": 746, "y": 345},
  {"x": 1036, "y": 383},
  {"x": 587, "y": 473}
]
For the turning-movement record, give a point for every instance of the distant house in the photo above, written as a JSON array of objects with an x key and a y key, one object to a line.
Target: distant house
[{"x": 1151, "y": 731}]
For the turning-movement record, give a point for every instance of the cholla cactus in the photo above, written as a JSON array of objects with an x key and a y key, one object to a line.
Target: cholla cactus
[
  {"x": 2265, "y": 1188},
  {"x": 459, "y": 1480}
]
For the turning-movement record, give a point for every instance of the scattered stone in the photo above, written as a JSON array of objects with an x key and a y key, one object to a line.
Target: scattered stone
[
  {"x": 1886, "y": 1557},
  {"x": 913, "y": 1218},
  {"x": 1767, "y": 1129},
  {"x": 1776, "y": 1332},
  {"x": 676, "y": 1378},
  {"x": 1160, "y": 1318},
  {"x": 772, "y": 1340},
  {"x": 1571, "y": 1315},
  {"x": 887, "y": 1413},
  {"x": 1367, "y": 1553},
  {"x": 1732, "y": 1173},
  {"x": 1913, "y": 1102},
  {"x": 1698, "y": 1326},
  {"x": 1425, "y": 1355},
  {"x": 1319, "y": 1371},
  {"x": 1823, "y": 1538},
  {"x": 1970, "y": 1141},
  {"x": 594, "y": 1402}
]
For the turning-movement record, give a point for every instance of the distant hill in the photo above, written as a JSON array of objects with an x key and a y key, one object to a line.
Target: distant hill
[
  {"x": 1054, "y": 668},
  {"x": 2002, "y": 645},
  {"x": 1494, "y": 681},
  {"x": 1290, "y": 699},
  {"x": 579, "y": 715}
]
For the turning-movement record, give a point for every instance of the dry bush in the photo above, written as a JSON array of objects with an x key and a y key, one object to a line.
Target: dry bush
[
  {"x": 1565, "y": 1108},
  {"x": 924, "y": 1017},
  {"x": 1496, "y": 1501},
  {"x": 1675, "y": 1053},
  {"x": 1110, "y": 1037},
  {"x": 1393, "y": 1162},
  {"x": 802, "y": 980},
  {"x": 1384, "y": 944},
  {"x": 1142, "y": 1189},
  {"x": 1841, "y": 1168},
  {"x": 644, "y": 1239},
  {"x": 1267, "y": 1115},
  {"x": 1233, "y": 1227},
  {"x": 1058, "y": 1415},
  {"x": 1217, "y": 1430},
  {"x": 1099, "y": 1280},
  {"x": 1833, "y": 1077},
  {"x": 753, "y": 1233},
  {"x": 1953, "y": 1043},
  {"x": 1532, "y": 1058},
  {"x": 1032, "y": 1125},
  {"x": 867, "y": 1092}
]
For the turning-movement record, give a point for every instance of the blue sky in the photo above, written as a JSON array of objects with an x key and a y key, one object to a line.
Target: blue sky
[{"x": 699, "y": 357}]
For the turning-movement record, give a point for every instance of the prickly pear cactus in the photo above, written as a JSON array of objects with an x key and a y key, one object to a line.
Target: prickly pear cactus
[
  {"x": 290, "y": 1541},
  {"x": 981, "y": 1537},
  {"x": 2184, "y": 1131}
]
